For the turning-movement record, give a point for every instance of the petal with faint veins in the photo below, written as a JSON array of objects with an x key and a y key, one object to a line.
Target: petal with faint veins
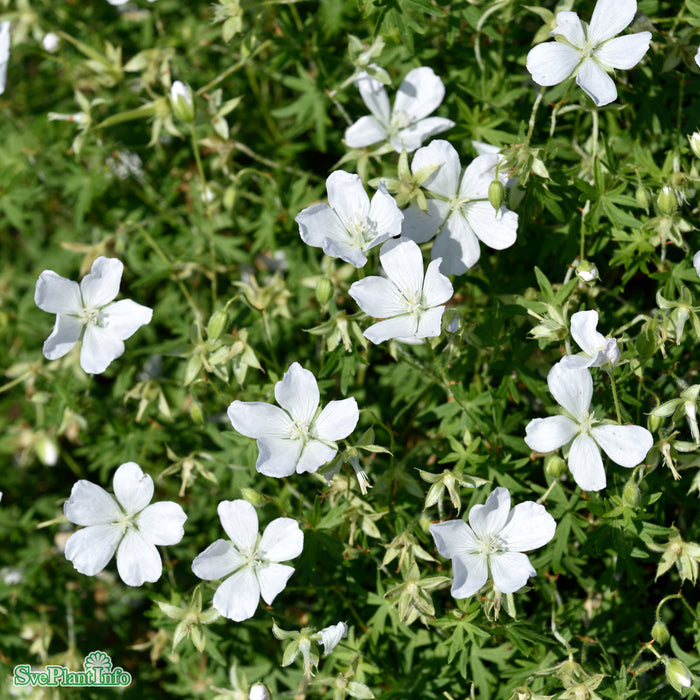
[
  {"x": 216, "y": 561},
  {"x": 479, "y": 174},
  {"x": 66, "y": 333},
  {"x": 626, "y": 445},
  {"x": 457, "y": 245},
  {"x": 138, "y": 560},
  {"x": 430, "y": 322},
  {"x": 419, "y": 94},
  {"x": 347, "y": 196},
  {"x": 623, "y": 52},
  {"x": 397, "y": 327},
  {"x": 497, "y": 229},
  {"x": 403, "y": 263},
  {"x": 101, "y": 285},
  {"x": 282, "y": 540},
  {"x": 586, "y": 464},
  {"x": 529, "y": 526},
  {"x": 90, "y": 504},
  {"x": 548, "y": 434},
  {"x": 238, "y": 596},
  {"x": 572, "y": 389},
  {"x": 364, "y": 132},
  {"x": 569, "y": 26},
  {"x": 100, "y": 348},
  {"x": 90, "y": 549},
  {"x": 385, "y": 214},
  {"x": 445, "y": 180},
  {"x": 125, "y": 317},
  {"x": 378, "y": 297},
  {"x": 454, "y": 538},
  {"x": 420, "y": 226},
  {"x": 298, "y": 393},
  {"x": 583, "y": 331},
  {"x": 437, "y": 289},
  {"x": 278, "y": 457},
  {"x": 314, "y": 455},
  {"x": 552, "y": 63},
  {"x": 319, "y": 222},
  {"x": 610, "y": 17},
  {"x": 272, "y": 579},
  {"x": 489, "y": 518},
  {"x": 374, "y": 96},
  {"x": 162, "y": 523},
  {"x": 132, "y": 488},
  {"x": 56, "y": 294},
  {"x": 255, "y": 419},
  {"x": 413, "y": 136},
  {"x": 470, "y": 572},
  {"x": 337, "y": 420},
  {"x": 596, "y": 83},
  {"x": 510, "y": 571},
  {"x": 240, "y": 522}
]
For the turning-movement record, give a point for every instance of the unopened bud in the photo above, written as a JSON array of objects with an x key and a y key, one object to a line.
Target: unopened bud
[
  {"x": 587, "y": 272},
  {"x": 660, "y": 633},
  {"x": 252, "y": 496},
  {"x": 655, "y": 422},
  {"x": 259, "y": 692},
  {"x": 196, "y": 412},
  {"x": 324, "y": 291},
  {"x": 631, "y": 495},
  {"x": 181, "y": 100},
  {"x": 216, "y": 324},
  {"x": 678, "y": 675},
  {"x": 497, "y": 193},
  {"x": 695, "y": 143},
  {"x": 642, "y": 197},
  {"x": 555, "y": 466},
  {"x": 666, "y": 201}
]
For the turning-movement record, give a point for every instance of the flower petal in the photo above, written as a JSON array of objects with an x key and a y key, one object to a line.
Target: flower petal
[
  {"x": 403, "y": 263},
  {"x": 419, "y": 94},
  {"x": 413, "y": 136},
  {"x": 297, "y": 393},
  {"x": 578, "y": 361},
  {"x": 100, "y": 348},
  {"x": 123, "y": 318},
  {"x": 255, "y": 419},
  {"x": 572, "y": 389},
  {"x": 568, "y": 25},
  {"x": 101, "y": 285},
  {"x": 510, "y": 571},
  {"x": 583, "y": 331},
  {"x": 66, "y": 333},
  {"x": 548, "y": 434},
  {"x": 238, "y": 596},
  {"x": 626, "y": 445},
  {"x": 337, "y": 420},
  {"x": 397, "y": 327},
  {"x": 314, "y": 455},
  {"x": 610, "y": 17},
  {"x": 529, "y": 526},
  {"x": 479, "y": 174},
  {"x": 162, "y": 523},
  {"x": 552, "y": 63},
  {"x": 282, "y": 540},
  {"x": 430, "y": 321},
  {"x": 385, "y": 214},
  {"x": 623, "y": 52},
  {"x": 454, "y": 538},
  {"x": 331, "y": 636},
  {"x": 319, "y": 222},
  {"x": 364, "y": 132},
  {"x": 90, "y": 549},
  {"x": 470, "y": 574},
  {"x": 216, "y": 561},
  {"x": 378, "y": 297},
  {"x": 437, "y": 289},
  {"x": 132, "y": 488},
  {"x": 90, "y": 504},
  {"x": 346, "y": 251},
  {"x": 498, "y": 229},
  {"x": 240, "y": 522},
  {"x": 596, "y": 83},
  {"x": 457, "y": 245},
  {"x": 489, "y": 519},
  {"x": 56, "y": 294},
  {"x": 421, "y": 226},
  {"x": 374, "y": 96},
  {"x": 278, "y": 457},
  {"x": 4, "y": 52},
  {"x": 138, "y": 560},
  {"x": 272, "y": 579},
  {"x": 586, "y": 464},
  {"x": 445, "y": 180},
  {"x": 347, "y": 196}
]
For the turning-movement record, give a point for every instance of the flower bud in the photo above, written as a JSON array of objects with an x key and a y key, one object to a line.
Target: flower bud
[
  {"x": 631, "y": 495},
  {"x": 587, "y": 272},
  {"x": 678, "y": 675},
  {"x": 259, "y": 692},
  {"x": 695, "y": 143},
  {"x": 181, "y": 100},
  {"x": 50, "y": 43},
  {"x": 324, "y": 291},
  {"x": 654, "y": 422},
  {"x": 497, "y": 193},
  {"x": 216, "y": 324},
  {"x": 660, "y": 633},
  {"x": 666, "y": 201},
  {"x": 252, "y": 496},
  {"x": 196, "y": 412},
  {"x": 555, "y": 466},
  {"x": 642, "y": 197}
]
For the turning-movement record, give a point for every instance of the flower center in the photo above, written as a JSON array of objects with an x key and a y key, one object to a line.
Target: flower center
[
  {"x": 414, "y": 301},
  {"x": 124, "y": 522},
  {"x": 491, "y": 544},
  {"x": 299, "y": 430},
  {"x": 91, "y": 317},
  {"x": 400, "y": 120},
  {"x": 360, "y": 229}
]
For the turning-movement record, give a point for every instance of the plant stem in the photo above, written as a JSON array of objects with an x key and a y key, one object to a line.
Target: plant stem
[
  {"x": 533, "y": 114},
  {"x": 615, "y": 399},
  {"x": 443, "y": 377}
]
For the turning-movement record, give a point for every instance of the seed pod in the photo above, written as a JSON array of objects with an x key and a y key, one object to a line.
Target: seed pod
[
  {"x": 667, "y": 201},
  {"x": 216, "y": 324},
  {"x": 497, "y": 194},
  {"x": 660, "y": 633},
  {"x": 631, "y": 495},
  {"x": 324, "y": 291}
]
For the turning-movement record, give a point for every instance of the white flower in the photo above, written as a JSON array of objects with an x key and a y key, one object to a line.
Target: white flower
[
  {"x": 330, "y": 636},
  {"x": 590, "y": 52},
  {"x": 407, "y": 125},
  {"x": 88, "y": 310},
  {"x": 412, "y": 305},
  {"x": 696, "y": 262},
  {"x": 126, "y": 525},
  {"x": 461, "y": 211},
  {"x": 348, "y": 226},
  {"x": 50, "y": 42},
  {"x": 626, "y": 445},
  {"x": 252, "y": 562},
  {"x": 697, "y": 57},
  {"x": 496, "y": 537},
  {"x": 598, "y": 350},
  {"x": 4, "y": 53},
  {"x": 259, "y": 692},
  {"x": 293, "y": 438}
]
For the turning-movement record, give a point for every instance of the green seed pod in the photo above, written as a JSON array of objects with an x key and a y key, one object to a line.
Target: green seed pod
[
  {"x": 660, "y": 633},
  {"x": 497, "y": 194},
  {"x": 642, "y": 197},
  {"x": 555, "y": 466},
  {"x": 196, "y": 412},
  {"x": 666, "y": 201},
  {"x": 654, "y": 422},
  {"x": 631, "y": 495},
  {"x": 324, "y": 291},
  {"x": 678, "y": 675},
  {"x": 216, "y": 324}
]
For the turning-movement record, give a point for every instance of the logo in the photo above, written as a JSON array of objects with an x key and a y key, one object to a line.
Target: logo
[{"x": 98, "y": 672}]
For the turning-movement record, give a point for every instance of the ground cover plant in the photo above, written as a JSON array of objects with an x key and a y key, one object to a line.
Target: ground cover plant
[{"x": 350, "y": 349}]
